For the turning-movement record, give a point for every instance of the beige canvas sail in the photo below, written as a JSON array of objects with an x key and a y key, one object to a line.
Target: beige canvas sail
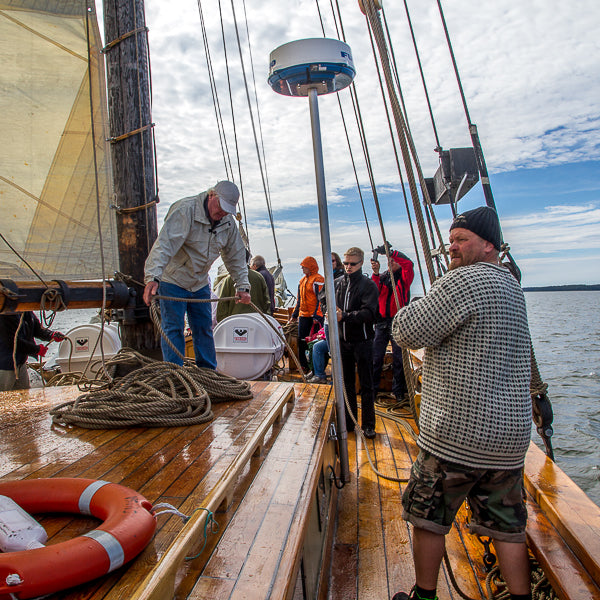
[{"x": 55, "y": 178}]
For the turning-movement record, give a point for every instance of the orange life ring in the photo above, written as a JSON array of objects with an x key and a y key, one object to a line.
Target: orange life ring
[{"x": 128, "y": 526}]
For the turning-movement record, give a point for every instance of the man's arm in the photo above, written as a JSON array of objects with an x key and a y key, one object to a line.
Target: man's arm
[
  {"x": 171, "y": 238},
  {"x": 41, "y": 332},
  {"x": 430, "y": 320},
  {"x": 405, "y": 276},
  {"x": 318, "y": 285}
]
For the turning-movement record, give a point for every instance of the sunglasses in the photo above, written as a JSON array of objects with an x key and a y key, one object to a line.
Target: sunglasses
[{"x": 351, "y": 264}]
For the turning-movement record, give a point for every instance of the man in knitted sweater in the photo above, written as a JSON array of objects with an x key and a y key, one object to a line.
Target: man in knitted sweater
[{"x": 475, "y": 420}]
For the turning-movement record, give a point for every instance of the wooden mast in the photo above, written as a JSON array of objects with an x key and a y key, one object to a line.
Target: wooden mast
[{"x": 132, "y": 145}]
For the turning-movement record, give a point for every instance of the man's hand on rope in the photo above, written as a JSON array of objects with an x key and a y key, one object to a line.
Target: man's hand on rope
[
  {"x": 242, "y": 297},
  {"x": 57, "y": 336},
  {"x": 150, "y": 290},
  {"x": 42, "y": 351}
]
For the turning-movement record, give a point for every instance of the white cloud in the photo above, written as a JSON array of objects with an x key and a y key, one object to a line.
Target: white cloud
[{"x": 529, "y": 73}]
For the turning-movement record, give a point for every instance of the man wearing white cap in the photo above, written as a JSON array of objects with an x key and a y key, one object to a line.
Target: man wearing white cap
[{"x": 196, "y": 231}]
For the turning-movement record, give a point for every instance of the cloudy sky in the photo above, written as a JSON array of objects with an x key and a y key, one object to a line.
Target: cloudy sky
[{"x": 531, "y": 74}]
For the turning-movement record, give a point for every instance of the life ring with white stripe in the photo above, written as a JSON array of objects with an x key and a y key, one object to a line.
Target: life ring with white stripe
[{"x": 127, "y": 528}]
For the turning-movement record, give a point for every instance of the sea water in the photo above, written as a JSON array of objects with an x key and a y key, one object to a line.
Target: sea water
[{"x": 565, "y": 328}]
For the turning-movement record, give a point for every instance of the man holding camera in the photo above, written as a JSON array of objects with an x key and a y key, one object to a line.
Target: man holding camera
[{"x": 400, "y": 275}]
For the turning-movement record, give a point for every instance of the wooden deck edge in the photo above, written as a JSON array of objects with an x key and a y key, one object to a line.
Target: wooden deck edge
[
  {"x": 160, "y": 582},
  {"x": 567, "y": 576},
  {"x": 575, "y": 518},
  {"x": 317, "y": 464}
]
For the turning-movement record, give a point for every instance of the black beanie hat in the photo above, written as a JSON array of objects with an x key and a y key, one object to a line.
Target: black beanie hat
[{"x": 483, "y": 221}]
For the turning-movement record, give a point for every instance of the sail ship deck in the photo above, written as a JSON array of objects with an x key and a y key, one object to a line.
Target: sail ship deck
[{"x": 265, "y": 470}]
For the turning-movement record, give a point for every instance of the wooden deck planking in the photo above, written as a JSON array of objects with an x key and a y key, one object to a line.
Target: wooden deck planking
[
  {"x": 344, "y": 561},
  {"x": 373, "y": 574},
  {"x": 217, "y": 459},
  {"x": 131, "y": 450},
  {"x": 377, "y": 556},
  {"x": 371, "y": 551},
  {"x": 396, "y": 533}
]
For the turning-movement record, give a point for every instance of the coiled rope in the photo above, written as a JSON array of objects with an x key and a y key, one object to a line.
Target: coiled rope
[{"x": 159, "y": 394}]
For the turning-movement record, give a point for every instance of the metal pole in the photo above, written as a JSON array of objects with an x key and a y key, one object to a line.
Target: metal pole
[{"x": 334, "y": 340}]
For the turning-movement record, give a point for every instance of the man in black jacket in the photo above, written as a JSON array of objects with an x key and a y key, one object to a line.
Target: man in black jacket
[
  {"x": 13, "y": 361},
  {"x": 258, "y": 264},
  {"x": 356, "y": 299}
]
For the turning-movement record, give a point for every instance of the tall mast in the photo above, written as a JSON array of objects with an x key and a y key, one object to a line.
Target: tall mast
[{"x": 132, "y": 146}]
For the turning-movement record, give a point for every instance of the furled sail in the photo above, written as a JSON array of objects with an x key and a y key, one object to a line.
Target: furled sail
[{"x": 55, "y": 175}]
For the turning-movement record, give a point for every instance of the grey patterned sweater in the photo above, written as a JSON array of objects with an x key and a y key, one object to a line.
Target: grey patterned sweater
[{"x": 475, "y": 404}]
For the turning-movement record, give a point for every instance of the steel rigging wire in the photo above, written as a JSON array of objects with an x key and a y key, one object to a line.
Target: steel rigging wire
[{"x": 222, "y": 132}]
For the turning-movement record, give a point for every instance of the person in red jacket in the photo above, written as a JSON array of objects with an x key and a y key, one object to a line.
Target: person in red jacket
[
  {"x": 308, "y": 311},
  {"x": 402, "y": 272}
]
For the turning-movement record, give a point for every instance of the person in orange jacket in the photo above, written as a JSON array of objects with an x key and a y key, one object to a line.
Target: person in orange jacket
[{"x": 308, "y": 309}]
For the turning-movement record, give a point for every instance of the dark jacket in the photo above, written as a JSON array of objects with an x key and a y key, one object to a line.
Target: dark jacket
[
  {"x": 357, "y": 296},
  {"x": 26, "y": 345},
  {"x": 270, "y": 280}
]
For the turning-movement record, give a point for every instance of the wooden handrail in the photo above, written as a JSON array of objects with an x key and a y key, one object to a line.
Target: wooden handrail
[
  {"x": 575, "y": 519},
  {"x": 160, "y": 582}
]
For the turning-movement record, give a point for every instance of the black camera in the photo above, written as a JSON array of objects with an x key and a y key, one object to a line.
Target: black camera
[{"x": 381, "y": 250}]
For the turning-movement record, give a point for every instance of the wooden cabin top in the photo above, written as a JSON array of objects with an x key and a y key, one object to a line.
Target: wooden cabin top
[{"x": 261, "y": 467}]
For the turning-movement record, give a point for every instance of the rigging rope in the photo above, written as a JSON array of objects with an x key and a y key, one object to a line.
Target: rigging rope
[
  {"x": 410, "y": 222},
  {"x": 403, "y": 134},
  {"x": 414, "y": 41},
  {"x": 215, "y": 97},
  {"x": 262, "y": 145},
  {"x": 222, "y": 134},
  {"x": 233, "y": 121}
]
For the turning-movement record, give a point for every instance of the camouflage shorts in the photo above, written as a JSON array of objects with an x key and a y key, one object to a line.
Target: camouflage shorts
[{"x": 437, "y": 488}]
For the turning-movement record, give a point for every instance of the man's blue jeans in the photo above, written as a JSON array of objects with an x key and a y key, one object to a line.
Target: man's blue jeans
[{"x": 199, "y": 316}]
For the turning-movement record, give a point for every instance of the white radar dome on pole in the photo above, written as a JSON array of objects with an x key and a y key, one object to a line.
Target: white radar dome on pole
[
  {"x": 312, "y": 68},
  {"x": 317, "y": 63}
]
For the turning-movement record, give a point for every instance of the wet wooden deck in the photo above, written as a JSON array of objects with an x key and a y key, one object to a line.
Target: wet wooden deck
[
  {"x": 372, "y": 556},
  {"x": 276, "y": 451},
  {"x": 257, "y": 466}
]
